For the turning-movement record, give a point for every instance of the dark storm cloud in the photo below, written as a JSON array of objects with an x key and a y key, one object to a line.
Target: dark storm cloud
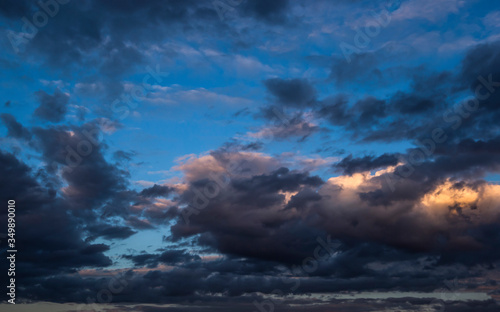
[
  {"x": 479, "y": 72},
  {"x": 159, "y": 216},
  {"x": 15, "y": 9},
  {"x": 96, "y": 34},
  {"x": 468, "y": 159},
  {"x": 157, "y": 191},
  {"x": 52, "y": 107},
  {"x": 401, "y": 117},
  {"x": 281, "y": 179},
  {"x": 302, "y": 198},
  {"x": 169, "y": 257},
  {"x": 266, "y": 233},
  {"x": 430, "y": 101},
  {"x": 101, "y": 41},
  {"x": 464, "y": 159},
  {"x": 350, "y": 165},
  {"x": 428, "y": 94},
  {"x": 201, "y": 281},
  {"x": 371, "y": 119},
  {"x": 488, "y": 235},
  {"x": 360, "y": 119},
  {"x": 109, "y": 232},
  {"x": 291, "y": 92},
  {"x": 483, "y": 61},
  {"x": 410, "y": 182},
  {"x": 94, "y": 189},
  {"x": 79, "y": 152},
  {"x": 258, "y": 197},
  {"x": 14, "y": 128},
  {"x": 358, "y": 218},
  {"x": 480, "y": 306},
  {"x": 17, "y": 181},
  {"x": 48, "y": 249},
  {"x": 411, "y": 104},
  {"x": 274, "y": 12}
]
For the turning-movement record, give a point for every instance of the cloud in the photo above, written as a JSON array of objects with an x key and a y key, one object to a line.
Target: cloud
[
  {"x": 297, "y": 126},
  {"x": 199, "y": 96},
  {"x": 272, "y": 12},
  {"x": 350, "y": 165},
  {"x": 295, "y": 304},
  {"x": 363, "y": 118},
  {"x": 284, "y": 212},
  {"x": 433, "y": 11},
  {"x": 14, "y": 128},
  {"x": 52, "y": 107},
  {"x": 168, "y": 257},
  {"x": 291, "y": 92},
  {"x": 157, "y": 191},
  {"x": 443, "y": 216},
  {"x": 50, "y": 250},
  {"x": 492, "y": 19},
  {"x": 109, "y": 232}
]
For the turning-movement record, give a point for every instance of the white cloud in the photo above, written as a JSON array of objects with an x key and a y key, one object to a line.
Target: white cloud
[{"x": 432, "y": 10}]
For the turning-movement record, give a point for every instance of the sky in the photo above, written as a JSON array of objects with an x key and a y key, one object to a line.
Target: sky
[{"x": 251, "y": 155}]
